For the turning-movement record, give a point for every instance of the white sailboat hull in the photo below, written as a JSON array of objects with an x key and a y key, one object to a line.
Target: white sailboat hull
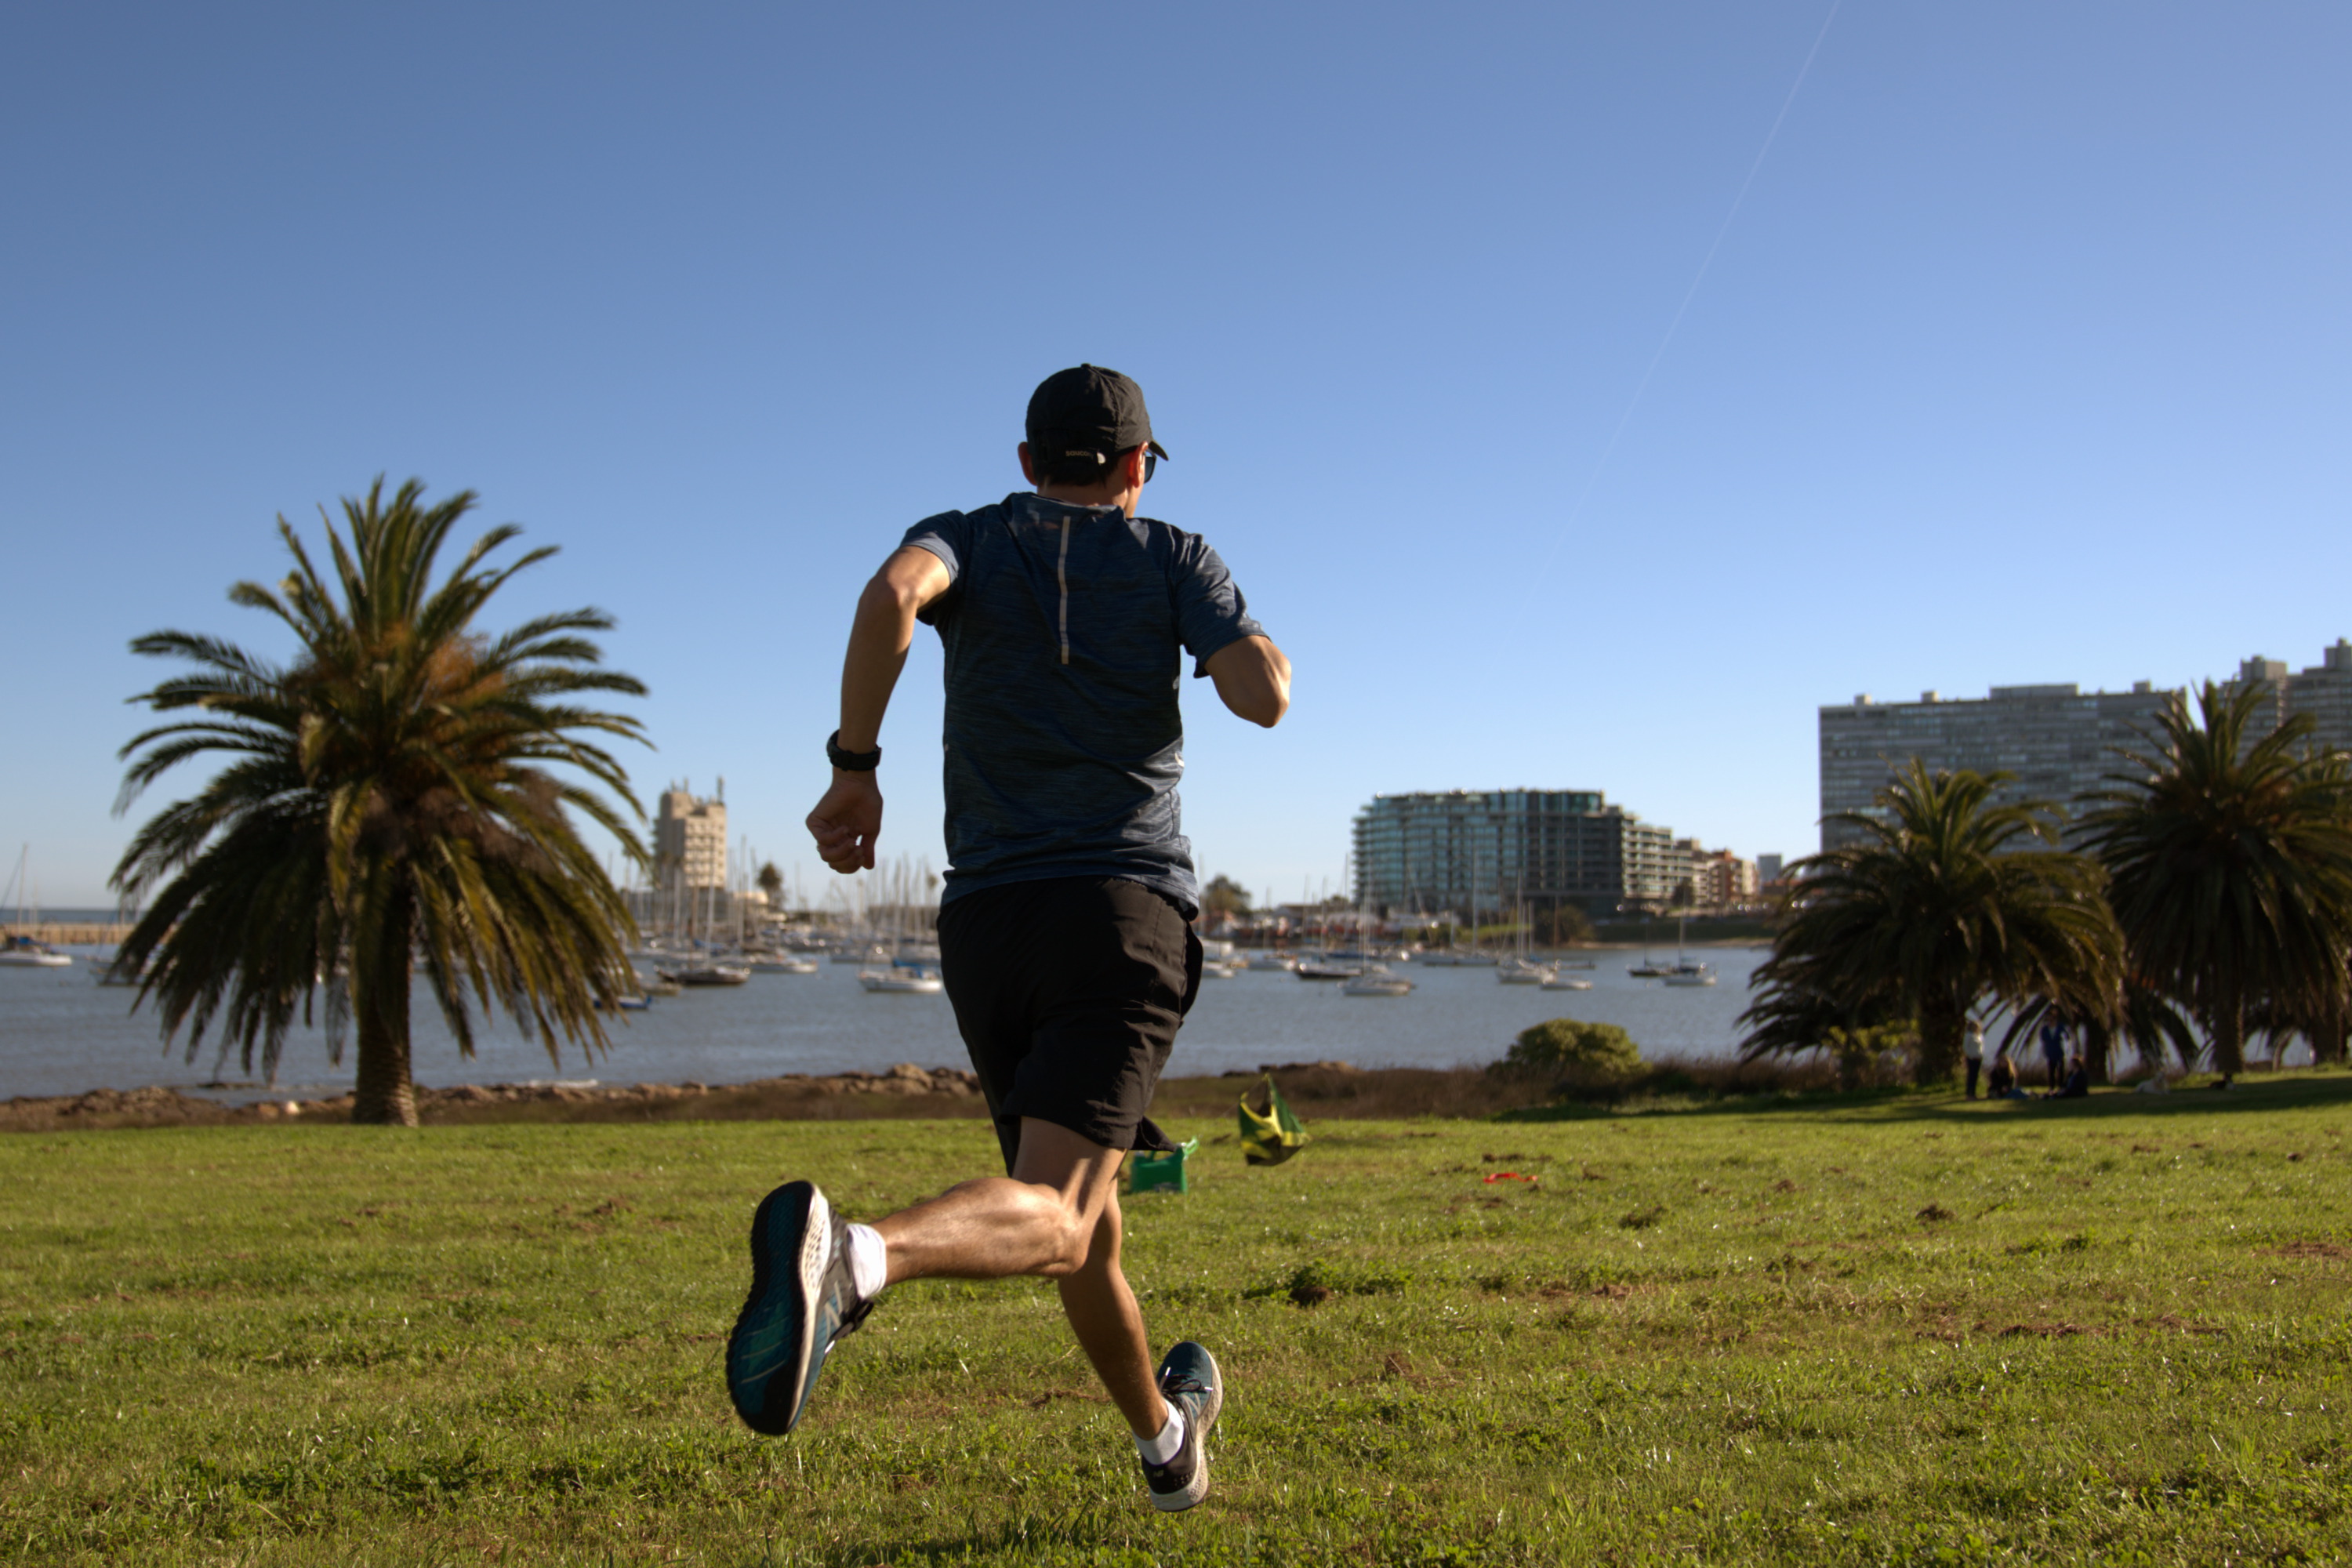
[
  {"x": 899, "y": 982},
  {"x": 1377, "y": 985}
]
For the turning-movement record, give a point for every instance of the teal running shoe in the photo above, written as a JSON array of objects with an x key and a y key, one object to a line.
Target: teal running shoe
[
  {"x": 1190, "y": 1381},
  {"x": 803, "y": 1300}
]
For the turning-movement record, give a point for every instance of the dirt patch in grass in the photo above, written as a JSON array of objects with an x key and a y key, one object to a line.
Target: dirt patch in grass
[{"x": 1952, "y": 1330}]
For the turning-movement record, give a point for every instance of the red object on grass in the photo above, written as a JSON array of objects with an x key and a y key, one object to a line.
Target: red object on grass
[{"x": 1491, "y": 1177}]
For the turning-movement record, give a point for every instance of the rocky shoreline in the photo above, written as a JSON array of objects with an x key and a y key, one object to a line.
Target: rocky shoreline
[
  {"x": 940, "y": 1091},
  {"x": 905, "y": 1092}
]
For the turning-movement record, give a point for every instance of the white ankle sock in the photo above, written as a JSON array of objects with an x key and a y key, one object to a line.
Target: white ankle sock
[
  {"x": 1160, "y": 1449},
  {"x": 869, "y": 1260}
]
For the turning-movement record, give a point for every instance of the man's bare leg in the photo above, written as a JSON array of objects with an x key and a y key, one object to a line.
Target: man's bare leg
[
  {"x": 1109, "y": 1328},
  {"x": 1056, "y": 1216}
]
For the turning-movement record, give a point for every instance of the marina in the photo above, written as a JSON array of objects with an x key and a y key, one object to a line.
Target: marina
[{"x": 63, "y": 1033}]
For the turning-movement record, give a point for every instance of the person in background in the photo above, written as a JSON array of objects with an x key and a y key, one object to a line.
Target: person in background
[
  {"x": 2078, "y": 1081},
  {"x": 2001, "y": 1082},
  {"x": 1974, "y": 1055},
  {"x": 2053, "y": 1052}
]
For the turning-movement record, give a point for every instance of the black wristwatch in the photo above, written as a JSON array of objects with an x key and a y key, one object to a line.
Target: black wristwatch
[{"x": 851, "y": 762}]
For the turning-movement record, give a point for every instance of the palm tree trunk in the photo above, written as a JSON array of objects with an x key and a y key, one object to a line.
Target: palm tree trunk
[
  {"x": 2229, "y": 1039},
  {"x": 385, "y": 1097},
  {"x": 1939, "y": 1045}
]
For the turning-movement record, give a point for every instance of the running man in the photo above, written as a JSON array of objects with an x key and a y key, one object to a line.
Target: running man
[{"x": 1065, "y": 933}]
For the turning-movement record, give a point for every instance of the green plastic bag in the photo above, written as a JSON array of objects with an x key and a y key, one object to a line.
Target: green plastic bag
[{"x": 1273, "y": 1135}]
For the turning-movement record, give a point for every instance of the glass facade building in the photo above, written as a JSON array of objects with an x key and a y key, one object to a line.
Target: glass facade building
[{"x": 1475, "y": 854}]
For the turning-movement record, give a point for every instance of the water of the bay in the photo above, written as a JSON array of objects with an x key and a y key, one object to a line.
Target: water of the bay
[{"x": 61, "y": 1033}]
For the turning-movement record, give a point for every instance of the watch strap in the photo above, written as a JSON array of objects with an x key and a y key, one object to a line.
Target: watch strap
[{"x": 851, "y": 762}]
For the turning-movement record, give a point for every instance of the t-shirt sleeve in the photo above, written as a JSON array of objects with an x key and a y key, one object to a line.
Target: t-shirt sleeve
[
  {"x": 1211, "y": 613},
  {"x": 949, "y": 537}
]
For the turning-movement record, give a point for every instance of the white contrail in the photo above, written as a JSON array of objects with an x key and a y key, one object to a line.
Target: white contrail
[{"x": 1689, "y": 294}]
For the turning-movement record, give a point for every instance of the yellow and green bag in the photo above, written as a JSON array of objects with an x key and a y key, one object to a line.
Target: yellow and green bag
[{"x": 1273, "y": 1135}]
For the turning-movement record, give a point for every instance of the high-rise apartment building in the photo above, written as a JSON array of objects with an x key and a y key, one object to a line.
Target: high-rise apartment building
[
  {"x": 2324, "y": 691},
  {"x": 689, "y": 840},
  {"x": 1475, "y": 854},
  {"x": 2058, "y": 741}
]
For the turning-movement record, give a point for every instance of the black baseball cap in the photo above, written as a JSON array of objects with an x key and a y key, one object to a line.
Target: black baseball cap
[{"x": 1090, "y": 409}]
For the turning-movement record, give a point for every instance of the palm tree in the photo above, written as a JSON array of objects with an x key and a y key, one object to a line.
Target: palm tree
[
  {"x": 2230, "y": 866},
  {"x": 1947, "y": 902},
  {"x": 386, "y": 795}
]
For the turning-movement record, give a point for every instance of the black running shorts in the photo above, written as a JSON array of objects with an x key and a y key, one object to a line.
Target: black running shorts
[{"x": 1068, "y": 993}]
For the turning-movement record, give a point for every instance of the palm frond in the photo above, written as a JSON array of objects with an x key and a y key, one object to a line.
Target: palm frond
[
  {"x": 1945, "y": 901},
  {"x": 384, "y": 792}
]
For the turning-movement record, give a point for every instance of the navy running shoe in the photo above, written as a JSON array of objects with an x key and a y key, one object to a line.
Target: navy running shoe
[
  {"x": 1190, "y": 1381},
  {"x": 801, "y": 1301}
]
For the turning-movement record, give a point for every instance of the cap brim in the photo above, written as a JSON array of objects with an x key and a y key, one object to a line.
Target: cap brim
[{"x": 1158, "y": 450}]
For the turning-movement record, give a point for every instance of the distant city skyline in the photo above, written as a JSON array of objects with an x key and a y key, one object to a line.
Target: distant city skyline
[
  {"x": 2057, "y": 741},
  {"x": 1467, "y": 854},
  {"x": 1578, "y": 393}
]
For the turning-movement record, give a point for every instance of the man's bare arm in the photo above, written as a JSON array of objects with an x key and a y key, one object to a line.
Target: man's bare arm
[
  {"x": 1253, "y": 678},
  {"x": 848, "y": 820}
]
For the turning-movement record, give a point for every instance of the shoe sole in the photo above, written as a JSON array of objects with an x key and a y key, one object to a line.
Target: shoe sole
[
  {"x": 773, "y": 1347},
  {"x": 1193, "y": 1495}
]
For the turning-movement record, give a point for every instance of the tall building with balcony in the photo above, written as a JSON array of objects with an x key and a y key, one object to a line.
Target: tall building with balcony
[
  {"x": 1475, "y": 854},
  {"x": 1720, "y": 879},
  {"x": 2056, "y": 740},
  {"x": 2324, "y": 691},
  {"x": 689, "y": 841},
  {"x": 2059, "y": 740}
]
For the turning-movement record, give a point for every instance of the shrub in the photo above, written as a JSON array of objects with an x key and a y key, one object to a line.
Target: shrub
[
  {"x": 1881, "y": 1054},
  {"x": 1568, "y": 1046}
]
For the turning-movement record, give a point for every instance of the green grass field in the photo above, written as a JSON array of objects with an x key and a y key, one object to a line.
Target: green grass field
[{"x": 1900, "y": 1329}]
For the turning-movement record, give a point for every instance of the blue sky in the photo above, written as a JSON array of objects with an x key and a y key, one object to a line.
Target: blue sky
[{"x": 2023, "y": 359}]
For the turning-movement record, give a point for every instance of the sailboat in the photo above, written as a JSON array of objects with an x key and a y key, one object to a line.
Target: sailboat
[
  {"x": 895, "y": 981},
  {"x": 1648, "y": 968},
  {"x": 706, "y": 974},
  {"x": 24, "y": 953},
  {"x": 1686, "y": 970},
  {"x": 1377, "y": 981},
  {"x": 1454, "y": 954},
  {"x": 1519, "y": 969},
  {"x": 19, "y": 951}
]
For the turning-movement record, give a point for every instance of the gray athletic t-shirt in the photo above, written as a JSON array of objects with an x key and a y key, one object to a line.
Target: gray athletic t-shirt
[{"x": 1062, "y": 629}]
